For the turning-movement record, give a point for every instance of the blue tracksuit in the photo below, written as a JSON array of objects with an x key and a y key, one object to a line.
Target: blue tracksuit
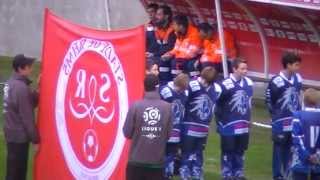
[
  {"x": 282, "y": 99},
  {"x": 178, "y": 101},
  {"x": 305, "y": 138},
  {"x": 233, "y": 114},
  {"x": 199, "y": 112}
]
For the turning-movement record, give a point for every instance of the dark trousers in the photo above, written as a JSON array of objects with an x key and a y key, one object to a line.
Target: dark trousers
[
  {"x": 192, "y": 157},
  {"x": 304, "y": 176},
  {"x": 232, "y": 158},
  {"x": 164, "y": 71},
  {"x": 135, "y": 172},
  {"x": 17, "y": 161},
  {"x": 281, "y": 155},
  {"x": 171, "y": 154}
]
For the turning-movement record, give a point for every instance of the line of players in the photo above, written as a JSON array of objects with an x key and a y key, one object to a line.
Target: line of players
[
  {"x": 179, "y": 51},
  {"x": 194, "y": 102}
]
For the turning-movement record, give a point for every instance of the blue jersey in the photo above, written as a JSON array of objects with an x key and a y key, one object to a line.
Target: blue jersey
[
  {"x": 199, "y": 108},
  {"x": 282, "y": 99},
  {"x": 178, "y": 101},
  {"x": 305, "y": 136},
  {"x": 233, "y": 111}
]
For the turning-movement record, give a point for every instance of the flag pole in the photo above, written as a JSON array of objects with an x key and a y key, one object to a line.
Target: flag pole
[
  {"x": 107, "y": 9},
  {"x": 221, "y": 37}
]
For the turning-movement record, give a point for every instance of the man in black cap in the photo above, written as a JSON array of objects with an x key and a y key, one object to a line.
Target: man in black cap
[{"x": 19, "y": 125}]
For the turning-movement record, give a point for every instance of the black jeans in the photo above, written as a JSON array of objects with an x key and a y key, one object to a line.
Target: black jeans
[
  {"x": 281, "y": 155},
  {"x": 135, "y": 172},
  {"x": 235, "y": 143},
  {"x": 17, "y": 161}
]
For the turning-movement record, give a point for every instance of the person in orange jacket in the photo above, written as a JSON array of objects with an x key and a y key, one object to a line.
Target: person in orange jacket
[
  {"x": 187, "y": 47},
  {"x": 161, "y": 41},
  {"x": 212, "y": 50}
]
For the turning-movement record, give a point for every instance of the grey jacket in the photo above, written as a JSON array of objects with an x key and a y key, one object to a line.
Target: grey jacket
[
  {"x": 148, "y": 125},
  {"x": 18, "y": 109}
]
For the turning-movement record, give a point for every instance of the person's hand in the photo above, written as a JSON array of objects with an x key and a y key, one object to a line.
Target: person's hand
[
  {"x": 166, "y": 57},
  {"x": 314, "y": 159},
  {"x": 149, "y": 55},
  {"x": 196, "y": 64},
  {"x": 38, "y": 81},
  {"x": 35, "y": 148}
]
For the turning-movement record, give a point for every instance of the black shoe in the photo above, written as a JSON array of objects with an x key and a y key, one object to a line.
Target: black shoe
[
  {"x": 228, "y": 178},
  {"x": 278, "y": 178}
]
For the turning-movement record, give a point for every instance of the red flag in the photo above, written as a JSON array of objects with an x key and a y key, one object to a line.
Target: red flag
[{"x": 89, "y": 79}]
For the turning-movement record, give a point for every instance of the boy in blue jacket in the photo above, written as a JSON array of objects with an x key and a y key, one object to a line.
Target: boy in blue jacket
[
  {"x": 282, "y": 99},
  {"x": 305, "y": 138}
]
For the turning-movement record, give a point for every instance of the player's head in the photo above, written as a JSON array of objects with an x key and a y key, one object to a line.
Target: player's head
[
  {"x": 151, "y": 10},
  {"x": 180, "y": 24},
  {"x": 311, "y": 98},
  {"x": 163, "y": 16},
  {"x": 152, "y": 67},
  {"x": 151, "y": 82},
  {"x": 208, "y": 74},
  {"x": 22, "y": 64},
  {"x": 291, "y": 61},
  {"x": 206, "y": 30},
  {"x": 181, "y": 82},
  {"x": 240, "y": 67}
]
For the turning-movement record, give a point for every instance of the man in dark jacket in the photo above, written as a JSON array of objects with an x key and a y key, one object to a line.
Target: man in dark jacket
[
  {"x": 161, "y": 41},
  {"x": 19, "y": 124},
  {"x": 148, "y": 125}
]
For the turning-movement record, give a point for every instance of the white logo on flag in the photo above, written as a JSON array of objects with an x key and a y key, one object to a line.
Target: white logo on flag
[{"x": 90, "y": 138}]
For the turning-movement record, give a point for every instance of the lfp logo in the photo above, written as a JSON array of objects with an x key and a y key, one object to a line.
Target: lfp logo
[{"x": 89, "y": 118}]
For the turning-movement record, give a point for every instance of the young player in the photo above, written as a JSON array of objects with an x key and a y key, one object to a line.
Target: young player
[
  {"x": 202, "y": 94},
  {"x": 305, "y": 138},
  {"x": 282, "y": 99},
  {"x": 175, "y": 93},
  {"x": 233, "y": 113}
]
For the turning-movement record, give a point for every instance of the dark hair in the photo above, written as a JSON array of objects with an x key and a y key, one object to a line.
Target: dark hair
[
  {"x": 20, "y": 61},
  {"x": 150, "y": 82},
  {"x": 205, "y": 27},
  {"x": 149, "y": 64},
  {"x": 290, "y": 58},
  {"x": 181, "y": 20},
  {"x": 153, "y": 6},
  {"x": 237, "y": 62},
  {"x": 208, "y": 74},
  {"x": 166, "y": 11}
]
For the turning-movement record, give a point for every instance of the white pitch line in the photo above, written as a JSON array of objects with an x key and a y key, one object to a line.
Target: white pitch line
[
  {"x": 211, "y": 159},
  {"x": 262, "y": 125}
]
